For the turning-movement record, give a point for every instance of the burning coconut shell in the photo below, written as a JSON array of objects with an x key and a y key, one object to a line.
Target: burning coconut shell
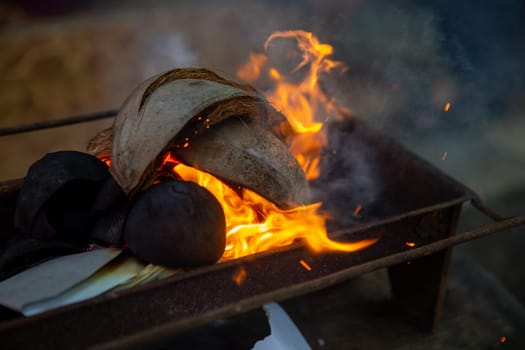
[{"x": 182, "y": 108}]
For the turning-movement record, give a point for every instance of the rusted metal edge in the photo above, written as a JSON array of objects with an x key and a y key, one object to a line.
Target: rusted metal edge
[
  {"x": 440, "y": 302},
  {"x": 235, "y": 262},
  {"x": 235, "y": 307},
  {"x": 348, "y": 232},
  {"x": 482, "y": 207},
  {"x": 299, "y": 245},
  {"x": 48, "y": 124},
  {"x": 334, "y": 235},
  {"x": 309, "y": 286}
]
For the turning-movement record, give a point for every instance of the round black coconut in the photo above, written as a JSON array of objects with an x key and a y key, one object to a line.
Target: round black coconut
[
  {"x": 57, "y": 195},
  {"x": 176, "y": 224}
]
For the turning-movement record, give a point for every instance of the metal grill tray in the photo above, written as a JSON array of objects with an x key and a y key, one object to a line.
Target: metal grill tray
[{"x": 404, "y": 199}]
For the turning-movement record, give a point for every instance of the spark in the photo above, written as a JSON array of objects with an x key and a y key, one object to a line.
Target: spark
[
  {"x": 410, "y": 244},
  {"x": 305, "y": 265},
  {"x": 239, "y": 276},
  {"x": 447, "y": 107}
]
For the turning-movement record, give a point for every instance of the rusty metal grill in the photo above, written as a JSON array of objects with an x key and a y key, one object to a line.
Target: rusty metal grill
[{"x": 417, "y": 203}]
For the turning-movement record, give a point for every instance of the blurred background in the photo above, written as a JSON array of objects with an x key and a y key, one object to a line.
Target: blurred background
[{"x": 407, "y": 59}]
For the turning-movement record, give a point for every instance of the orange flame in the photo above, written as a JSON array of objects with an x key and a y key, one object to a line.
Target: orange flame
[
  {"x": 253, "y": 223},
  {"x": 305, "y": 104},
  {"x": 106, "y": 160}
]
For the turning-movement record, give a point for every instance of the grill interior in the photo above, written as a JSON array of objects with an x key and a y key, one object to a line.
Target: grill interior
[{"x": 404, "y": 200}]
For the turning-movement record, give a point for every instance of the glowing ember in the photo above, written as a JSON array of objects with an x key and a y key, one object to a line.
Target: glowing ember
[
  {"x": 503, "y": 339},
  {"x": 239, "y": 276},
  {"x": 305, "y": 265},
  {"x": 447, "y": 107},
  {"x": 106, "y": 160},
  {"x": 358, "y": 209},
  {"x": 410, "y": 244}
]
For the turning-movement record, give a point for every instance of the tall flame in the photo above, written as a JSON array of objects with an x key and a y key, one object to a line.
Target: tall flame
[
  {"x": 304, "y": 103},
  {"x": 253, "y": 223}
]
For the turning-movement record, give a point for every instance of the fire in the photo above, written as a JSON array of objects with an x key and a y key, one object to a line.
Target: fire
[
  {"x": 252, "y": 70},
  {"x": 106, "y": 160},
  {"x": 304, "y": 103},
  {"x": 253, "y": 223}
]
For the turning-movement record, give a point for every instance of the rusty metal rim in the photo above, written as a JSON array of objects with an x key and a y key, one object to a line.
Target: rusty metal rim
[
  {"x": 240, "y": 261},
  {"x": 311, "y": 286},
  {"x": 345, "y": 232},
  {"x": 247, "y": 304},
  {"x": 209, "y": 269},
  {"x": 299, "y": 245}
]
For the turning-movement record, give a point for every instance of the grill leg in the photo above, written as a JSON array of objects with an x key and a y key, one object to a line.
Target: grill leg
[{"x": 419, "y": 286}]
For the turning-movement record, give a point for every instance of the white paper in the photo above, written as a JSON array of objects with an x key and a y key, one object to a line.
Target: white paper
[
  {"x": 117, "y": 272},
  {"x": 52, "y": 277},
  {"x": 284, "y": 333}
]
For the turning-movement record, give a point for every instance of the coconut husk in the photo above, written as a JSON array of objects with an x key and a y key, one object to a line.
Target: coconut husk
[
  {"x": 190, "y": 73},
  {"x": 100, "y": 145},
  {"x": 169, "y": 109},
  {"x": 244, "y": 153},
  {"x": 139, "y": 135}
]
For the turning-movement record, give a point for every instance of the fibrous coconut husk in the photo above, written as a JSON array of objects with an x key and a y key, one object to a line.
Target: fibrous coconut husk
[
  {"x": 174, "y": 107},
  {"x": 244, "y": 152}
]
